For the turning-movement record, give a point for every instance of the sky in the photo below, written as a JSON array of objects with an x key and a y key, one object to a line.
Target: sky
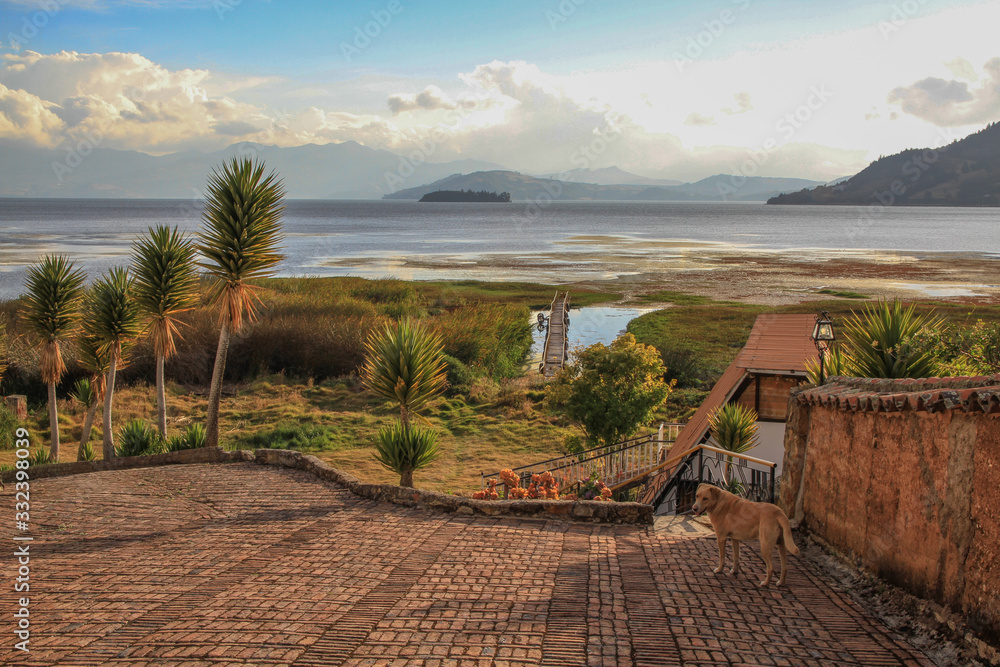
[{"x": 683, "y": 90}]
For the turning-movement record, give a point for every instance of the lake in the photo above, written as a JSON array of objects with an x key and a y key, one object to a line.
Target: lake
[{"x": 560, "y": 242}]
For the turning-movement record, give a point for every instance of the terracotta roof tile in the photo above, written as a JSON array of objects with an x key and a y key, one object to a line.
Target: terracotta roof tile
[{"x": 971, "y": 394}]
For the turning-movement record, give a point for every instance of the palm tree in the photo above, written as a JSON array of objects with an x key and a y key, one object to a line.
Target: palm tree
[
  {"x": 166, "y": 284},
  {"x": 734, "y": 429},
  {"x": 54, "y": 292},
  {"x": 113, "y": 319},
  {"x": 90, "y": 390},
  {"x": 879, "y": 341},
  {"x": 405, "y": 364},
  {"x": 240, "y": 242}
]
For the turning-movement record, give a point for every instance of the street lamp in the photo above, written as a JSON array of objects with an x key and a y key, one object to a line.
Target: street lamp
[{"x": 823, "y": 336}]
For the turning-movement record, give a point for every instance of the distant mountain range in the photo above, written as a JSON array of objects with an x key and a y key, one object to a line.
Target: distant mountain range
[
  {"x": 609, "y": 176},
  {"x": 331, "y": 171},
  {"x": 524, "y": 188},
  {"x": 963, "y": 173}
]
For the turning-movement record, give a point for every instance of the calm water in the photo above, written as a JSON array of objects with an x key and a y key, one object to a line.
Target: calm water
[{"x": 417, "y": 241}]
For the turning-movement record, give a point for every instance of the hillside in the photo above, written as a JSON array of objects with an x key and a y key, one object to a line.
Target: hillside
[
  {"x": 331, "y": 171},
  {"x": 609, "y": 176},
  {"x": 963, "y": 173},
  {"x": 529, "y": 188}
]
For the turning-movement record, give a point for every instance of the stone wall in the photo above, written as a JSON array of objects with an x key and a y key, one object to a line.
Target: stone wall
[{"x": 905, "y": 477}]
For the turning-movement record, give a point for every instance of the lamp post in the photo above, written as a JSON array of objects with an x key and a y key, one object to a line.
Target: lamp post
[{"x": 823, "y": 336}]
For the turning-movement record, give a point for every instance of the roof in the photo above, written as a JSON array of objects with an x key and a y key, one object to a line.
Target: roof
[
  {"x": 969, "y": 394},
  {"x": 778, "y": 345}
]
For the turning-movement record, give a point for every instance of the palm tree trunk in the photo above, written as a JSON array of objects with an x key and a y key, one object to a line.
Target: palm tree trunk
[
  {"x": 215, "y": 391},
  {"x": 406, "y": 479},
  {"x": 88, "y": 424},
  {"x": 161, "y": 397},
  {"x": 109, "y": 440},
  {"x": 53, "y": 423}
]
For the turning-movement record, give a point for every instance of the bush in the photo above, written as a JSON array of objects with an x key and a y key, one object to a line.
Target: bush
[
  {"x": 41, "y": 457},
  {"x": 493, "y": 337},
  {"x": 685, "y": 366},
  {"x": 192, "y": 438},
  {"x": 8, "y": 427},
  {"x": 300, "y": 437},
  {"x": 87, "y": 453},
  {"x": 138, "y": 438},
  {"x": 460, "y": 376}
]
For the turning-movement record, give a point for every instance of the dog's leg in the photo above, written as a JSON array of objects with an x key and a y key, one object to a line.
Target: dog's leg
[
  {"x": 767, "y": 540},
  {"x": 736, "y": 557},
  {"x": 722, "y": 555},
  {"x": 783, "y": 552}
]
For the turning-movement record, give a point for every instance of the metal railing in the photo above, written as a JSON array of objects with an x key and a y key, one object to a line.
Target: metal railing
[
  {"x": 746, "y": 476},
  {"x": 615, "y": 465}
]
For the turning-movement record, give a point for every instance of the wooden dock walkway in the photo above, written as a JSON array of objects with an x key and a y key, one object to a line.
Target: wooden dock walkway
[{"x": 556, "y": 349}]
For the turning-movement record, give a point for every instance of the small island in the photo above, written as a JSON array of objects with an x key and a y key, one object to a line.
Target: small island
[{"x": 467, "y": 196}]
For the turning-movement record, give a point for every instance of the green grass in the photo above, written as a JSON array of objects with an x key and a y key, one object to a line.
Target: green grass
[{"x": 676, "y": 298}]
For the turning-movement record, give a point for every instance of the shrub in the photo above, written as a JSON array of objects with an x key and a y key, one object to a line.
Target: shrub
[
  {"x": 404, "y": 449},
  {"x": 483, "y": 390},
  {"x": 138, "y": 438},
  {"x": 8, "y": 426},
  {"x": 880, "y": 341},
  {"x": 684, "y": 366},
  {"x": 41, "y": 457},
  {"x": 87, "y": 453},
  {"x": 300, "y": 437},
  {"x": 493, "y": 337},
  {"x": 459, "y": 375},
  {"x": 193, "y": 437}
]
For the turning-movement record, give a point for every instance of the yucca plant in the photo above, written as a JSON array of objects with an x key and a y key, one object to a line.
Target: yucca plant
[
  {"x": 137, "y": 438},
  {"x": 94, "y": 358},
  {"x": 166, "y": 284},
  {"x": 84, "y": 393},
  {"x": 240, "y": 241},
  {"x": 836, "y": 362},
  {"x": 734, "y": 428},
  {"x": 87, "y": 453},
  {"x": 192, "y": 438},
  {"x": 406, "y": 364},
  {"x": 41, "y": 458},
  {"x": 879, "y": 341},
  {"x": 52, "y": 307},
  {"x": 113, "y": 321},
  {"x": 404, "y": 449}
]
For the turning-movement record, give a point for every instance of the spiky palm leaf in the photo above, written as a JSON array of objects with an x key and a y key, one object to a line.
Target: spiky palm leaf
[
  {"x": 241, "y": 236},
  {"x": 406, "y": 364},
  {"x": 113, "y": 320},
  {"x": 240, "y": 241},
  {"x": 52, "y": 306},
  {"x": 404, "y": 449},
  {"x": 879, "y": 338},
  {"x": 166, "y": 282},
  {"x": 94, "y": 357},
  {"x": 83, "y": 391},
  {"x": 836, "y": 362},
  {"x": 734, "y": 427}
]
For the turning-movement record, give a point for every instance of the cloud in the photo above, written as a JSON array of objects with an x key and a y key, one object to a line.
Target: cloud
[
  {"x": 430, "y": 99},
  {"x": 743, "y": 104},
  {"x": 696, "y": 119},
  {"x": 952, "y": 103},
  {"x": 28, "y": 119}
]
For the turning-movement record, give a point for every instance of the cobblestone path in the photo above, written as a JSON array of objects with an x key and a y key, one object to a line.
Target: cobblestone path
[{"x": 241, "y": 564}]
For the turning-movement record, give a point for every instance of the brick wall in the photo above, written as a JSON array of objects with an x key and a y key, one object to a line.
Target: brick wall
[{"x": 908, "y": 483}]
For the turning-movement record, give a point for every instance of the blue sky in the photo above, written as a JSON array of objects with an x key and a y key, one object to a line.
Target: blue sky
[{"x": 690, "y": 86}]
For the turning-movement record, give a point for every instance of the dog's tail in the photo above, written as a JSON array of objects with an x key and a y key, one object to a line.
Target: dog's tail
[{"x": 786, "y": 534}]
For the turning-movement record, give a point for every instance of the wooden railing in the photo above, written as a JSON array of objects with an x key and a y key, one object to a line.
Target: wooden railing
[{"x": 615, "y": 465}]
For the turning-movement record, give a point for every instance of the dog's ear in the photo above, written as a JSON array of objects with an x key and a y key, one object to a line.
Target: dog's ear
[{"x": 714, "y": 490}]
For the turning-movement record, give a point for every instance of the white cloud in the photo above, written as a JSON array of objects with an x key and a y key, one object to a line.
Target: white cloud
[{"x": 952, "y": 103}]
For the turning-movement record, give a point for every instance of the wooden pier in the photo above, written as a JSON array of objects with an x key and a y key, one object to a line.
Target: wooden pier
[{"x": 556, "y": 350}]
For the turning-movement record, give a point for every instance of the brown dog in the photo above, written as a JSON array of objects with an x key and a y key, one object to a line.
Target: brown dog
[{"x": 736, "y": 519}]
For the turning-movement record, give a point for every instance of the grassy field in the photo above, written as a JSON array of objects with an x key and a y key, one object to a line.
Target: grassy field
[{"x": 488, "y": 424}]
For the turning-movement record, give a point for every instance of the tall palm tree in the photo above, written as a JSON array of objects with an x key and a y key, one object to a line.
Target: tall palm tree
[
  {"x": 54, "y": 292},
  {"x": 405, "y": 363},
  {"x": 240, "y": 241},
  {"x": 95, "y": 360},
  {"x": 166, "y": 283},
  {"x": 113, "y": 319}
]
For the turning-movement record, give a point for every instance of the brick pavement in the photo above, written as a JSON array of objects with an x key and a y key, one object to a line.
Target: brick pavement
[{"x": 242, "y": 564}]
